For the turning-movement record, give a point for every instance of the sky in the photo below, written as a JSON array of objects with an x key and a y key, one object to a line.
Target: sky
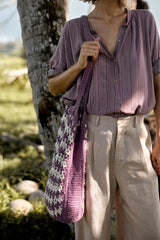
[{"x": 10, "y": 30}]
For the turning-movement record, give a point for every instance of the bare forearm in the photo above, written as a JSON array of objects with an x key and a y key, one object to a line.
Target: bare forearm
[
  {"x": 157, "y": 107},
  {"x": 61, "y": 82}
]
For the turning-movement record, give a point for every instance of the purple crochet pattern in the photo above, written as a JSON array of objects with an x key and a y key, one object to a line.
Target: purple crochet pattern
[{"x": 64, "y": 193}]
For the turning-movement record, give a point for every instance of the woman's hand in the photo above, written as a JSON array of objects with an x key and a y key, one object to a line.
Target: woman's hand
[
  {"x": 61, "y": 82},
  {"x": 88, "y": 49},
  {"x": 156, "y": 158}
]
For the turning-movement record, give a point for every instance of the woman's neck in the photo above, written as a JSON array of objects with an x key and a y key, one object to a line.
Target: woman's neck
[{"x": 107, "y": 9}]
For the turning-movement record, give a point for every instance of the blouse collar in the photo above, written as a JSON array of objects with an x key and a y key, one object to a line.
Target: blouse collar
[{"x": 126, "y": 24}]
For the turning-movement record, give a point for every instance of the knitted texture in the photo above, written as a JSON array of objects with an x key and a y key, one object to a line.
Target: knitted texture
[{"x": 64, "y": 193}]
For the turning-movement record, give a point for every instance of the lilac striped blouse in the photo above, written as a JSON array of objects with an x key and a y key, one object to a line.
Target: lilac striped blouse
[{"x": 121, "y": 83}]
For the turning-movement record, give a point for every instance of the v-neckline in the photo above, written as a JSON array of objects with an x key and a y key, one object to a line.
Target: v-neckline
[{"x": 91, "y": 30}]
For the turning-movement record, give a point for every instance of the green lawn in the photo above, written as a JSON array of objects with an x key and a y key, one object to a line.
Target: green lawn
[
  {"x": 17, "y": 114},
  {"x": 18, "y": 160}
]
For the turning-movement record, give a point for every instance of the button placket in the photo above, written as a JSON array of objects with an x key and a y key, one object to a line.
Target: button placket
[{"x": 116, "y": 73}]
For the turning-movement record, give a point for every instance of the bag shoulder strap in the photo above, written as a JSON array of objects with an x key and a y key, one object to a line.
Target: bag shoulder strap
[
  {"x": 86, "y": 78},
  {"x": 87, "y": 75}
]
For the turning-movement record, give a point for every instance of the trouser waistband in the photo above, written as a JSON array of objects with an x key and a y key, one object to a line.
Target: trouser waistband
[{"x": 132, "y": 121}]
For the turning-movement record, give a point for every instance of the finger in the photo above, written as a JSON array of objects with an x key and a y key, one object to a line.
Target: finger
[
  {"x": 90, "y": 47},
  {"x": 154, "y": 161},
  {"x": 89, "y": 52},
  {"x": 156, "y": 166},
  {"x": 94, "y": 58},
  {"x": 91, "y": 43},
  {"x": 158, "y": 171},
  {"x": 97, "y": 40}
]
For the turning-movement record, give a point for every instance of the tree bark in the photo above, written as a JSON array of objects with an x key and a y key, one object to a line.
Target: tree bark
[{"x": 41, "y": 23}]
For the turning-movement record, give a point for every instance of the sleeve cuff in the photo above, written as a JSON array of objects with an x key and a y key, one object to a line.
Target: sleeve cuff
[{"x": 51, "y": 73}]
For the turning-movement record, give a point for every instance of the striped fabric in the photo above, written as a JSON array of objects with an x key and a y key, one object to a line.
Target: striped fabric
[{"x": 122, "y": 84}]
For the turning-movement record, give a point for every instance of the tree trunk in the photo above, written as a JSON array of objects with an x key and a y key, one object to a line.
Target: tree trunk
[{"x": 41, "y": 23}]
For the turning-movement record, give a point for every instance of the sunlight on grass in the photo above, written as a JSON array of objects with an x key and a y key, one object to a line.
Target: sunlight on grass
[
  {"x": 11, "y": 62},
  {"x": 7, "y": 194},
  {"x": 12, "y": 163},
  {"x": 17, "y": 113}
]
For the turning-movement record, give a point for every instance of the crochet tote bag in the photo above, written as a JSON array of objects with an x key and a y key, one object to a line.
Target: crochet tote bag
[{"x": 64, "y": 193}]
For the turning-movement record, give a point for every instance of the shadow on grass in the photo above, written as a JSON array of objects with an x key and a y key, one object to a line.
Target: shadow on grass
[
  {"x": 35, "y": 226},
  {"x": 12, "y": 144},
  {"x": 21, "y": 162}
]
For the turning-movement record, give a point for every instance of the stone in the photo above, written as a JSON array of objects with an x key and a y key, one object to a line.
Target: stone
[
  {"x": 21, "y": 206},
  {"x": 37, "y": 196},
  {"x": 40, "y": 148},
  {"x": 26, "y": 187}
]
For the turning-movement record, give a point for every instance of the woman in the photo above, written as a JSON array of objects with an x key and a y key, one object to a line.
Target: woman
[
  {"x": 125, "y": 48},
  {"x": 139, "y": 4}
]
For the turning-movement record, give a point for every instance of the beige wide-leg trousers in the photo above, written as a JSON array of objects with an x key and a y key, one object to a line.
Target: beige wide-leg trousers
[{"x": 119, "y": 171}]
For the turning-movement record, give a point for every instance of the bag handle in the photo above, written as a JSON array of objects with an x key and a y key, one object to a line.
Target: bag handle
[{"x": 87, "y": 75}]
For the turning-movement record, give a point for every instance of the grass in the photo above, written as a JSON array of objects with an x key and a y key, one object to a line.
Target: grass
[
  {"x": 16, "y": 111},
  {"x": 10, "y": 62},
  {"x": 17, "y": 119}
]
